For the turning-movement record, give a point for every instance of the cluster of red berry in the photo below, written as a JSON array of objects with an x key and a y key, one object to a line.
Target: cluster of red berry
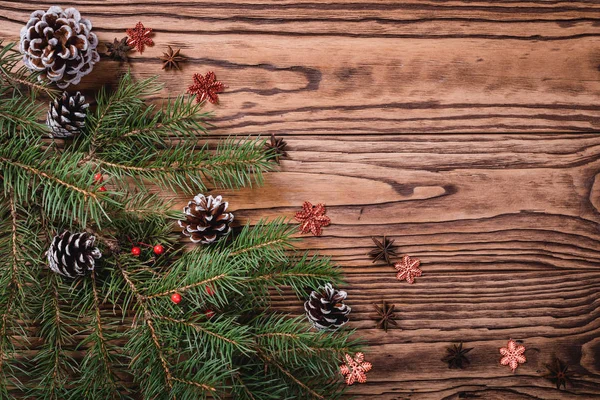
[
  {"x": 157, "y": 249},
  {"x": 176, "y": 298},
  {"x": 98, "y": 178}
]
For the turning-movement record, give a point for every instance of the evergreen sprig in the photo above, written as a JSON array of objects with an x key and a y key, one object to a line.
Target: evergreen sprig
[{"x": 115, "y": 333}]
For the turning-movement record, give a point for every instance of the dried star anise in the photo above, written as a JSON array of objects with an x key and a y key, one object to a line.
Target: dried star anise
[
  {"x": 277, "y": 147},
  {"x": 559, "y": 374},
  {"x": 118, "y": 49},
  {"x": 171, "y": 59},
  {"x": 385, "y": 315},
  {"x": 456, "y": 356},
  {"x": 384, "y": 250}
]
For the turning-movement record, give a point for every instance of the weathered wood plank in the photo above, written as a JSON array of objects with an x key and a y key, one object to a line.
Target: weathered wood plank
[
  {"x": 363, "y": 68},
  {"x": 506, "y": 226},
  {"x": 507, "y": 230}
]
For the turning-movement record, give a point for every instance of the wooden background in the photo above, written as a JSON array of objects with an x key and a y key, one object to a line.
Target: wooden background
[{"x": 375, "y": 100}]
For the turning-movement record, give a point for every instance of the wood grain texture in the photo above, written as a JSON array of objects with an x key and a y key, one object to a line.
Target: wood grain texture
[
  {"x": 360, "y": 67},
  {"x": 507, "y": 225}
]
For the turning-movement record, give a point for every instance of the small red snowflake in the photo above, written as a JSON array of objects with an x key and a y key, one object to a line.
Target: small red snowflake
[
  {"x": 139, "y": 37},
  {"x": 312, "y": 218},
  {"x": 513, "y": 355},
  {"x": 355, "y": 368},
  {"x": 408, "y": 268},
  {"x": 206, "y": 87}
]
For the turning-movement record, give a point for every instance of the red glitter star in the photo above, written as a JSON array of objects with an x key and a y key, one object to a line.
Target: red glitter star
[
  {"x": 408, "y": 268},
  {"x": 312, "y": 218},
  {"x": 355, "y": 368},
  {"x": 206, "y": 87},
  {"x": 139, "y": 37},
  {"x": 513, "y": 355}
]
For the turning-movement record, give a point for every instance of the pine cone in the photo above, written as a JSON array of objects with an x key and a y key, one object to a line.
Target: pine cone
[
  {"x": 59, "y": 44},
  {"x": 206, "y": 219},
  {"x": 73, "y": 254},
  {"x": 325, "y": 308},
  {"x": 66, "y": 115}
]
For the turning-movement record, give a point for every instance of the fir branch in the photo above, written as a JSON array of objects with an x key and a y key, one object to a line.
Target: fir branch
[
  {"x": 19, "y": 118},
  {"x": 86, "y": 193},
  {"x": 64, "y": 193},
  {"x": 6, "y": 345},
  {"x": 127, "y": 100},
  {"x": 173, "y": 351},
  {"x": 19, "y": 243},
  {"x": 53, "y": 365},
  {"x": 98, "y": 375},
  {"x": 199, "y": 385},
  {"x": 304, "y": 387},
  {"x": 238, "y": 335},
  {"x": 181, "y": 166},
  {"x": 184, "y": 289},
  {"x": 181, "y": 117}
]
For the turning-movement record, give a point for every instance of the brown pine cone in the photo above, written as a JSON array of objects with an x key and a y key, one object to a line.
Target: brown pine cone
[
  {"x": 59, "y": 44},
  {"x": 66, "y": 115},
  {"x": 325, "y": 308},
  {"x": 73, "y": 254},
  {"x": 206, "y": 219}
]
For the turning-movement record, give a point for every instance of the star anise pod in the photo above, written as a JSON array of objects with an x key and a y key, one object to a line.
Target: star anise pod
[
  {"x": 171, "y": 59},
  {"x": 118, "y": 49},
  {"x": 384, "y": 250},
  {"x": 456, "y": 356},
  {"x": 559, "y": 374},
  {"x": 385, "y": 315},
  {"x": 277, "y": 146}
]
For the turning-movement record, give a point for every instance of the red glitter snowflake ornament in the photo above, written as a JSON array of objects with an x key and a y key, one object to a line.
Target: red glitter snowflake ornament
[
  {"x": 513, "y": 355},
  {"x": 408, "y": 268},
  {"x": 139, "y": 37},
  {"x": 312, "y": 218},
  {"x": 355, "y": 368},
  {"x": 206, "y": 87}
]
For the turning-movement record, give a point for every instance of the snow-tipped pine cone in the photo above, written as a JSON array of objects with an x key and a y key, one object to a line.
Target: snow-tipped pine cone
[
  {"x": 73, "y": 254},
  {"x": 325, "y": 308},
  {"x": 66, "y": 115},
  {"x": 59, "y": 44},
  {"x": 206, "y": 219}
]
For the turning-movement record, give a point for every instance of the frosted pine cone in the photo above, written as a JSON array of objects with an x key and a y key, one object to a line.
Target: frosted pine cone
[
  {"x": 59, "y": 44},
  {"x": 73, "y": 254},
  {"x": 325, "y": 308},
  {"x": 66, "y": 115},
  {"x": 206, "y": 219}
]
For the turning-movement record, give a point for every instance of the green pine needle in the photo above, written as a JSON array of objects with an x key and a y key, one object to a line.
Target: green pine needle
[{"x": 115, "y": 333}]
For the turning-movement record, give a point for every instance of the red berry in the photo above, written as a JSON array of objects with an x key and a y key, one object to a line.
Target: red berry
[
  {"x": 136, "y": 251},
  {"x": 209, "y": 313},
  {"x": 159, "y": 249},
  {"x": 176, "y": 298},
  {"x": 209, "y": 290},
  {"x": 102, "y": 189},
  {"x": 98, "y": 177}
]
